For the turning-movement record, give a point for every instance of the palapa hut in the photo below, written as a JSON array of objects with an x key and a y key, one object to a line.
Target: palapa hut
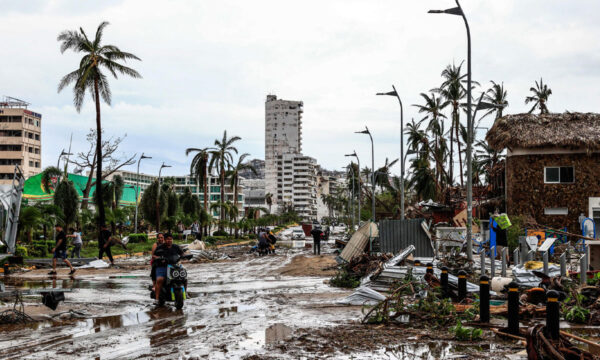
[{"x": 552, "y": 166}]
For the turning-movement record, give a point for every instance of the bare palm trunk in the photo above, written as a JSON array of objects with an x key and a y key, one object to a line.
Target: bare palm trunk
[
  {"x": 459, "y": 158},
  {"x": 88, "y": 186},
  {"x": 101, "y": 215},
  {"x": 450, "y": 161},
  {"x": 221, "y": 215},
  {"x": 235, "y": 203}
]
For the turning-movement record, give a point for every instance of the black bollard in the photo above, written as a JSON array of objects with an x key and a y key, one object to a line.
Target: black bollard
[
  {"x": 552, "y": 315},
  {"x": 513, "y": 308},
  {"x": 429, "y": 268},
  {"x": 462, "y": 285},
  {"x": 6, "y": 270},
  {"x": 484, "y": 299},
  {"x": 444, "y": 281}
]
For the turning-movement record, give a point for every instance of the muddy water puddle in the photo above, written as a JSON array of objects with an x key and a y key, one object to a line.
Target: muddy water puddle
[{"x": 232, "y": 312}]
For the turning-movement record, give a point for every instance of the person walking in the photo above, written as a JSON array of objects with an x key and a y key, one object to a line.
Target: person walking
[
  {"x": 317, "y": 235},
  {"x": 77, "y": 243},
  {"x": 60, "y": 250},
  {"x": 104, "y": 244},
  {"x": 196, "y": 229}
]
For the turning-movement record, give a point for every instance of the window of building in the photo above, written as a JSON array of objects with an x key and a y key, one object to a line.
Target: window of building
[
  {"x": 30, "y": 163},
  {"x": 214, "y": 189},
  {"x": 556, "y": 211},
  {"x": 37, "y": 164},
  {"x": 37, "y": 136},
  {"x": 30, "y": 149},
  {"x": 559, "y": 175},
  {"x": 37, "y": 151},
  {"x": 37, "y": 123}
]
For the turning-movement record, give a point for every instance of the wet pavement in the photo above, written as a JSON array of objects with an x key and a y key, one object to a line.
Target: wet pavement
[{"x": 235, "y": 309}]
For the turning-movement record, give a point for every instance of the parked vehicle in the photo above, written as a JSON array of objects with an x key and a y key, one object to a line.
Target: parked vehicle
[{"x": 175, "y": 286}]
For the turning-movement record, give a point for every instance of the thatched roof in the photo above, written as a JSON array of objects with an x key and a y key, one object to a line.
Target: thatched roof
[{"x": 567, "y": 130}]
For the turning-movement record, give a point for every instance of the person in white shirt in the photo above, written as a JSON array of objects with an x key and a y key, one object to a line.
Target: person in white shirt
[{"x": 77, "y": 243}]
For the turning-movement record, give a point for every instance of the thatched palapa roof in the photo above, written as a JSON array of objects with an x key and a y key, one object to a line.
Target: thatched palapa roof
[{"x": 567, "y": 130}]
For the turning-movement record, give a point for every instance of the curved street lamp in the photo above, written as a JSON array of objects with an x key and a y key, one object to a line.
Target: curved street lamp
[{"x": 395, "y": 93}]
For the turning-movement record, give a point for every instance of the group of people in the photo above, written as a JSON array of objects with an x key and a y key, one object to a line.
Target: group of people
[
  {"x": 194, "y": 228},
  {"x": 266, "y": 242}
]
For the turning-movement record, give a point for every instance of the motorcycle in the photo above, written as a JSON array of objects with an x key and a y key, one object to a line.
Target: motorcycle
[{"x": 174, "y": 287}]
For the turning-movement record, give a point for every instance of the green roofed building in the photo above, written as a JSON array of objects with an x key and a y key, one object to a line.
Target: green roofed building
[{"x": 33, "y": 190}]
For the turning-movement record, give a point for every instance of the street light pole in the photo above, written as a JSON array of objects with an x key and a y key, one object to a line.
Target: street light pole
[
  {"x": 366, "y": 131},
  {"x": 459, "y": 11},
  {"x": 158, "y": 197},
  {"x": 359, "y": 186},
  {"x": 352, "y": 194},
  {"x": 395, "y": 93},
  {"x": 137, "y": 186}
]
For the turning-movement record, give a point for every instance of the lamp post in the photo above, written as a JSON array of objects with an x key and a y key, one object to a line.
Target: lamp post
[
  {"x": 459, "y": 11},
  {"x": 158, "y": 197},
  {"x": 395, "y": 93},
  {"x": 349, "y": 167},
  {"x": 366, "y": 131},
  {"x": 137, "y": 186},
  {"x": 359, "y": 187}
]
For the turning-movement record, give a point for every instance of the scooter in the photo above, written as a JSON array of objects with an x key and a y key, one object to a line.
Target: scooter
[{"x": 174, "y": 287}]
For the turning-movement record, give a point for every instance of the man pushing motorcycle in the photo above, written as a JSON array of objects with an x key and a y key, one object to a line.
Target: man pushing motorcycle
[{"x": 164, "y": 251}]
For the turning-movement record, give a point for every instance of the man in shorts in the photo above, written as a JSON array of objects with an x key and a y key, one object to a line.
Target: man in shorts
[{"x": 60, "y": 250}]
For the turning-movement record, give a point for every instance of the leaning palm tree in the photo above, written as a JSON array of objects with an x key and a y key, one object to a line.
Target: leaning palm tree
[
  {"x": 233, "y": 174},
  {"x": 541, "y": 93},
  {"x": 221, "y": 159},
  {"x": 90, "y": 76},
  {"x": 497, "y": 96},
  {"x": 199, "y": 170}
]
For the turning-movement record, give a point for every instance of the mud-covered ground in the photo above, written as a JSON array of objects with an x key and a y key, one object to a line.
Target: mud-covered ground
[{"x": 268, "y": 307}]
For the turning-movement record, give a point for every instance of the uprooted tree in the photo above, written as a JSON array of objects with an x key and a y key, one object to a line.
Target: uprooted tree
[{"x": 111, "y": 161}]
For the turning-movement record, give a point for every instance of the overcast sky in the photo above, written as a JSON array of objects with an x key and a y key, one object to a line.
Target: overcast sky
[{"x": 207, "y": 66}]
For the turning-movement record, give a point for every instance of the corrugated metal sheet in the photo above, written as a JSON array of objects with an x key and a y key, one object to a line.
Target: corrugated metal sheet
[
  {"x": 359, "y": 241},
  {"x": 396, "y": 235}
]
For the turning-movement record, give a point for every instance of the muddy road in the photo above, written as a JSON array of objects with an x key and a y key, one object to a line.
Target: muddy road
[
  {"x": 249, "y": 307},
  {"x": 109, "y": 314}
]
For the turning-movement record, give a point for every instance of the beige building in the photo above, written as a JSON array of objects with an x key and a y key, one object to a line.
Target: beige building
[
  {"x": 283, "y": 135},
  {"x": 20, "y": 139}
]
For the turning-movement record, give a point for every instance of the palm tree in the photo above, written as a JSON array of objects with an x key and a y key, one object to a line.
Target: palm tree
[
  {"x": 541, "y": 93},
  {"x": 496, "y": 95},
  {"x": 199, "y": 170},
  {"x": 233, "y": 174},
  {"x": 221, "y": 159},
  {"x": 383, "y": 174},
  {"x": 453, "y": 90},
  {"x": 487, "y": 157},
  {"x": 89, "y": 76},
  {"x": 432, "y": 109}
]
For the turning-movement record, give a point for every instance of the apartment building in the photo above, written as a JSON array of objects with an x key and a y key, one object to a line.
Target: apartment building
[
  {"x": 297, "y": 184},
  {"x": 283, "y": 135},
  {"x": 180, "y": 183},
  {"x": 20, "y": 139}
]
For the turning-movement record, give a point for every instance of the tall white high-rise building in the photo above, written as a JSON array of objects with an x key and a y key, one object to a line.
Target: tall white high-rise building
[{"x": 283, "y": 135}]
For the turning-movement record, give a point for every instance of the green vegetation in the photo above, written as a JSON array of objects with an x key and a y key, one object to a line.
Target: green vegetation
[
  {"x": 465, "y": 333},
  {"x": 344, "y": 279}
]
